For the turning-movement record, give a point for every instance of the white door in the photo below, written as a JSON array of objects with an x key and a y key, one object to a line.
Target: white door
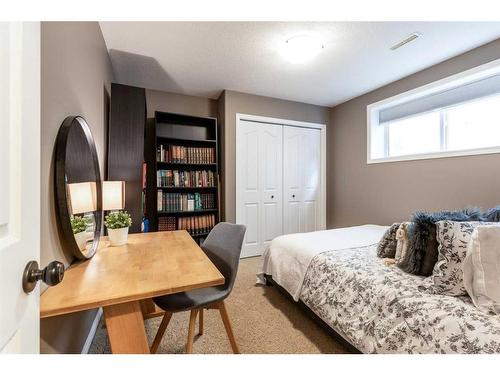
[
  {"x": 19, "y": 183},
  {"x": 301, "y": 179},
  {"x": 259, "y": 184}
]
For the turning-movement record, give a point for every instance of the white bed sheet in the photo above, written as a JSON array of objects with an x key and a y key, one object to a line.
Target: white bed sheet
[{"x": 287, "y": 257}]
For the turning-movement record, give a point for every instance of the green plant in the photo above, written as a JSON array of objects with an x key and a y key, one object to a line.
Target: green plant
[
  {"x": 117, "y": 220},
  {"x": 79, "y": 224}
]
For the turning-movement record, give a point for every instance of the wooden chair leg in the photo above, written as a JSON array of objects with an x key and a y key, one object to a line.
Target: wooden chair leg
[
  {"x": 192, "y": 323},
  {"x": 161, "y": 331},
  {"x": 227, "y": 326},
  {"x": 201, "y": 323}
]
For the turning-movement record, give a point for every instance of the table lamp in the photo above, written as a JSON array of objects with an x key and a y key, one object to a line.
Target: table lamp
[
  {"x": 82, "y": 197},
  {"x": 113, "y": 195}
]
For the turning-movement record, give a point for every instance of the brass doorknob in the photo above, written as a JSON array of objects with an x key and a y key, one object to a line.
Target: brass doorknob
[{"x": 50, "y": 275}]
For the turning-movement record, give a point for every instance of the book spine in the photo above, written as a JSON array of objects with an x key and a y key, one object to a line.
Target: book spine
[{"x": 159, "y": 200}]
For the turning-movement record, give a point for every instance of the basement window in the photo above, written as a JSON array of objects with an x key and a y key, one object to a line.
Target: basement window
[{"x": 456, "y": 116}]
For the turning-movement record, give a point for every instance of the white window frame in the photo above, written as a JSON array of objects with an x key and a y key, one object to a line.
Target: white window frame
[{"x": 475, "y": 74}]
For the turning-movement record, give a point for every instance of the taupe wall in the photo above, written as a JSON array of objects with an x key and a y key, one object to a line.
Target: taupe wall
[
  {"x": 383, "y": 193},
  {"x": 178, "y": 103},
  {"x": 75, "y": 76},
  {"x": 231, "y": 103}
]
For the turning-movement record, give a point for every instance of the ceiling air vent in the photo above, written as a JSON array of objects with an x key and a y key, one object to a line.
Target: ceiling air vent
[{"x": 408, "y": 39}]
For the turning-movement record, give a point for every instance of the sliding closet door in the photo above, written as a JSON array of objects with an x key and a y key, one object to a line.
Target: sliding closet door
[
  {"x": 259, "y": 184},
  {"x": 301, "y": 174}
]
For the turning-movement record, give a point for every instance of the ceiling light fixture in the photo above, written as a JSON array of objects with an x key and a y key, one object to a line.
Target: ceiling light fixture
[
  {"x": 410, "y": 38},
  {"x": 301, "y": 49}
]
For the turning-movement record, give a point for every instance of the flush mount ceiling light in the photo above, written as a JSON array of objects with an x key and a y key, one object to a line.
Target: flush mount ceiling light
[{"x": 301, "y": 49}]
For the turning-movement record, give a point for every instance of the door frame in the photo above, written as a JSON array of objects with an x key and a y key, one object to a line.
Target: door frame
[{"x": 284, "y": 122}]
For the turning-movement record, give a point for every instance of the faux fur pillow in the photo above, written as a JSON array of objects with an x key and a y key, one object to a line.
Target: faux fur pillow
[
  {"x": 422, "y": 243},
  {"x": 387, "y": 246},
  {"x": 493, "y": 214}
]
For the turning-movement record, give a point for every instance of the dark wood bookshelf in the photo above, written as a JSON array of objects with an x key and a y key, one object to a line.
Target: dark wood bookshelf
[
  {"x": 172, "y": 129},
  {"x": 126, "y": 145}
]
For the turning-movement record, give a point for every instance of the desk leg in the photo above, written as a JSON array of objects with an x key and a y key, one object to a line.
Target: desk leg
[{"x": 126, "y": 331}]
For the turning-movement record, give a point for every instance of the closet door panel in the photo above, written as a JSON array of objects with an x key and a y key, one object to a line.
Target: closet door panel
[
  {"x": 271, "y": 164},
  {"x": 251, "y": 216},
  {"x": 301, "y": 175},
  {"x": 311, "y": 168},
  {"x": 249, "y": 200},
  {"x": 292, "y": 179},
  {"x": 259, "y": 176},
  {"x": 309, "y": 216},
  {"x": 292, "y": 217}
]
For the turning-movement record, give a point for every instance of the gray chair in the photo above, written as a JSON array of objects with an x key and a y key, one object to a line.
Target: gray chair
[{"x": 223, "y": 247}]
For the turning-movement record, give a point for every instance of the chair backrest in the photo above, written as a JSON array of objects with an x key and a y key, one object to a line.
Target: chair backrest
[{"x": 223, "y": 247}]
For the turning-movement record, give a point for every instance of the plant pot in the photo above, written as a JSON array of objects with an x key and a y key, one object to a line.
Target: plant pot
[
  {"x": 118, "y": 237},
  {"x": 81, "y": 240}
]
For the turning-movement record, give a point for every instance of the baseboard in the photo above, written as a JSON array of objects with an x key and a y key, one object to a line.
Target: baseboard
[{"x": 93, "y": 329}]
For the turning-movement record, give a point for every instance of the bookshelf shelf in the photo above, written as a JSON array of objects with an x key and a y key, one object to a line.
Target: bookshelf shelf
[
  {"x": 184, "y": 139},
  {"x": 187, "y": 213},
  {"x": 176, "y": 165},
  {"x": 186, "y": 187}
]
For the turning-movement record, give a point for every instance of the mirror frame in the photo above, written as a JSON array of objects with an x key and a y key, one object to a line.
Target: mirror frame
[{"x": 61, "y": 192}]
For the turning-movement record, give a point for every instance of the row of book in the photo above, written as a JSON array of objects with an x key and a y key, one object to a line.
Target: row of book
[
  {"x": 174, "y": 178},
  {"x": 167, "y": 223},
  {"x": 194, "y": 224},
  {"x": 187, "y": 155},
  {"x": 171, "y": 202}
]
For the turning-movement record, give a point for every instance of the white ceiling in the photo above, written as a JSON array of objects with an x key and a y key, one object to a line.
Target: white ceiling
[{"x": 204, "y": 58}]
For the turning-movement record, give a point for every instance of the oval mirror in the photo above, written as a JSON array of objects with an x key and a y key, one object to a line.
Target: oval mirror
[{"x": 78, "y": 188}]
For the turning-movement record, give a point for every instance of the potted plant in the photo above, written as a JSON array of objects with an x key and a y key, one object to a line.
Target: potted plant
[
  {"x": 118, "y": 223},
  {"x": 79, "y": 226}
]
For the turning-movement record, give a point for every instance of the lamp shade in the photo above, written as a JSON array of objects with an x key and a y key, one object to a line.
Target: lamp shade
[
  {"x": 82, "y": 197},
  {"x": 113, "y": 195}
]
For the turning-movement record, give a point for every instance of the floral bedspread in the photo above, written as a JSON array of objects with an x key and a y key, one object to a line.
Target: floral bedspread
[{"x": 381, "y": 309}]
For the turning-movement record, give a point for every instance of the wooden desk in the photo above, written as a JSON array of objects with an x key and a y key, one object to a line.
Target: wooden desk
[{"x": 118, "y": 278}]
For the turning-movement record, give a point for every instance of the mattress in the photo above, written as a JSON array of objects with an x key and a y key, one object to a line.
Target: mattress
[
  {"x": 287, "y": 257},
  {"x": 381, "y": 309}
]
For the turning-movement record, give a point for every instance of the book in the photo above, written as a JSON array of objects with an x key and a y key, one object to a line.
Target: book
[
  {"x": 197, "y": 225},
  {"x": 144, "y": 170},
  {"x": 183, "y": 154},
  {"x": 176, "y": 178},
  {"x": 159, "y": 201},
  {"x": 172, "y": 202}
]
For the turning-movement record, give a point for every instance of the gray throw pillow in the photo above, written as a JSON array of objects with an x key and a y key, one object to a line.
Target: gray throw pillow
[{"x": 387, "y": 246}]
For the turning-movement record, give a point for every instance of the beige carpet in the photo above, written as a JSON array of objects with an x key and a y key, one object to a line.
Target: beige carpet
[{"x": 264, "y": 321}]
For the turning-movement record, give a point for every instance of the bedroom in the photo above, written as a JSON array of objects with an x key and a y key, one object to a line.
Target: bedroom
[{"x": 196, "y": 177}]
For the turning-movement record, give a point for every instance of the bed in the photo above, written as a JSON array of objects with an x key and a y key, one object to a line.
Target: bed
[{"x": 376, "y": 308}]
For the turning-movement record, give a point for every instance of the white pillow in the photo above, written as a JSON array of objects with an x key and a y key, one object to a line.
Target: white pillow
[{"x": 481, "y": 268}]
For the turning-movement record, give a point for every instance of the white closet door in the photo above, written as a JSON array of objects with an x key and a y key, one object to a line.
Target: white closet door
[
  {"x": 259, "y": 179},
  {"x": 292, "y": 179},
  {"x": 302, "y": 172}
]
